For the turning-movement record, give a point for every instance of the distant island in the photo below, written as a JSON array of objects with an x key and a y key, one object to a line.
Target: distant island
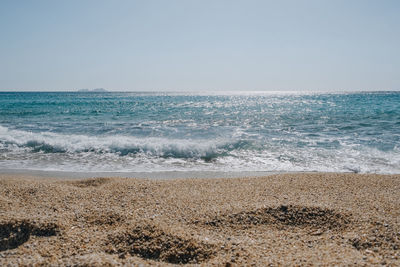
[{"x": 96, "y": 90}]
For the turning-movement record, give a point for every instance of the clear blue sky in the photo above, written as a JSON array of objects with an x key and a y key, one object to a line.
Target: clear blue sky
[{"x": 200, "y": 45}]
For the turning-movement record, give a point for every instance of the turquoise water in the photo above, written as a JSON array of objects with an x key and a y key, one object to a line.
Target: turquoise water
[{"x": 151, "y": 132}]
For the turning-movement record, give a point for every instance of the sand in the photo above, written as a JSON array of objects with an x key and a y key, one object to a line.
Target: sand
[{"x": 286, "y": 219}]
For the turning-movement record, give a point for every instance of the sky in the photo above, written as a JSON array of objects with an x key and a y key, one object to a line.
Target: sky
[{"x": 187, "y": 45}]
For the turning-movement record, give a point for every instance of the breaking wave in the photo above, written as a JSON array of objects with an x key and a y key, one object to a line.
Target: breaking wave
[
  {"x": 48, "y": 142},
  {"x": 54, "y": 151}
]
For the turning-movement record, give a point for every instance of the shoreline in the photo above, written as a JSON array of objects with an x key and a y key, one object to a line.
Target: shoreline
[
  {"x": 159, "y": 175},
  {"x": 162, "y": 175},
  {"x": 279, "y": 219}
]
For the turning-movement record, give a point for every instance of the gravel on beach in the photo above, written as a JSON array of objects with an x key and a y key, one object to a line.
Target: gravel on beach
[{"x": 283, "y": 219}]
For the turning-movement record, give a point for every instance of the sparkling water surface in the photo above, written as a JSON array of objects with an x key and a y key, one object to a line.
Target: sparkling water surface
[{"x": 153, "y": 132}]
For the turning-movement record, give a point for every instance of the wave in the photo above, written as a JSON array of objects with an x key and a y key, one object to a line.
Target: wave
[
  {"x": 73, "y": 152},
  {"x": 49, "y": 142}
]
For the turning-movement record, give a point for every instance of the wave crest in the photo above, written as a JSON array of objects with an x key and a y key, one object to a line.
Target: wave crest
[{"x": 49, "y": 142}]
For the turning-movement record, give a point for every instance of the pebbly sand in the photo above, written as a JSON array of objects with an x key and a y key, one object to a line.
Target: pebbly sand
[{"x": 286, "y": 219}]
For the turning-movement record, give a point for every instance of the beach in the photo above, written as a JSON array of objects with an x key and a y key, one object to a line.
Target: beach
[
  {"x": 199, "y": 133},
  {"x": 281, "y": 219}
]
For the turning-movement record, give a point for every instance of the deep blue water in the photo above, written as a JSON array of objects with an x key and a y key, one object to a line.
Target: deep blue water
[{"x": 145, "y": 132}]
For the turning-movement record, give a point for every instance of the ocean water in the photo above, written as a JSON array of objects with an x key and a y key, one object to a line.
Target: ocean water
[{"x": 156, "y": 132}]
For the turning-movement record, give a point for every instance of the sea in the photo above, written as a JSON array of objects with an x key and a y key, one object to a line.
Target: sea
[{"x": 227, "y": 132}]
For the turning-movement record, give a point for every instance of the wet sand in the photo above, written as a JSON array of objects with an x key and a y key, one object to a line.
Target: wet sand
[{"x": 285, "y": 219}]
